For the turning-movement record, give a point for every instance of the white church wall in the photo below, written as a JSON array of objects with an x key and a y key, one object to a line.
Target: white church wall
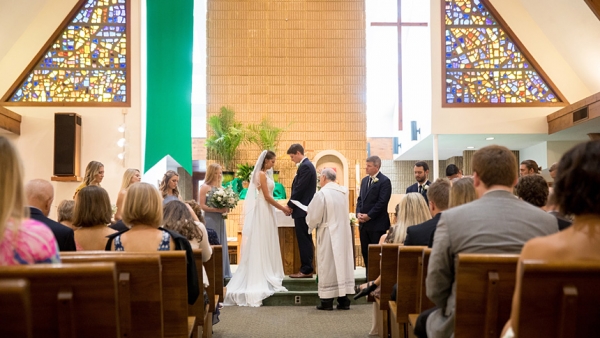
[{"x": 99, "y": 125}]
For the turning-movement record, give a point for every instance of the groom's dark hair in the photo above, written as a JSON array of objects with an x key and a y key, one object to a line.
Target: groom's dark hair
[{"x": 294, "y": 148}]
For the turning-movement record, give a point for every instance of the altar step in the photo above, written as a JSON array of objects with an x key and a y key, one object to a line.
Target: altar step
[{"x": 303, "y": 291}]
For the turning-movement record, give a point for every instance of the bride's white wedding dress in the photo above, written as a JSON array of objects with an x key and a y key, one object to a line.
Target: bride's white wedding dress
[{"x": 260, "y": 271}]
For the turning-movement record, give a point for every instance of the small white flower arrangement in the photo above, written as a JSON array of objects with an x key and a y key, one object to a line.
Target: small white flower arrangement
[
  {"x": 353, "y": 219},
  {"x": 375, "y": 179},
  {"x": 425, "y": 187}
]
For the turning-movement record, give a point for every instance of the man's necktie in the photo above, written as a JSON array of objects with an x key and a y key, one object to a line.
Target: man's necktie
[
  {"x": 370, "y": 182},
  {"x": 420, "y": 189}
]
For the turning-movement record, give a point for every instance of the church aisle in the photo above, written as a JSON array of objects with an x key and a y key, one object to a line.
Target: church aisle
[{"x": 293, "y": 321}]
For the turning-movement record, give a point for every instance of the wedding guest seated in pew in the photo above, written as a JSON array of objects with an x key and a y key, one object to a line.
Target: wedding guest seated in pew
[
  {"x": 64, "y": 213},
  {"x": 533, "y": 189},
  {"x": 497, "y": 222},
  {"x": 412, "y": 210},
  {"x": 143, "y": 214},
  {"x": 438, "y": 195},
  {"x": 22, "y": 240},
  {"x": 462, "y": 192},
  {"x": 177, "y": 216},
  {"x": 213, "y": 238},
  {"x": 40, "y": 195},
  {"x": 91, "y": 218},
  {"x": 552, "y": 208},
  {"x": 576, "y": 187}
]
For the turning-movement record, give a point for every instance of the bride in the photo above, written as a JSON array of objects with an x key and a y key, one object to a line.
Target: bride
[{"x": 260, "y": 271}]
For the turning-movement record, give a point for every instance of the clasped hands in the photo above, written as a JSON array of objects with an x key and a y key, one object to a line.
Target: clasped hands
[
  {"x": 362, "y": 218},
  {"x": 287, "y": 210}
]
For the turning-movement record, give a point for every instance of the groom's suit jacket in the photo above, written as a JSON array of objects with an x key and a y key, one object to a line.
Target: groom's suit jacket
[
  {"x": 304, "y": 187},
  {"x": 373, "y": 201}
]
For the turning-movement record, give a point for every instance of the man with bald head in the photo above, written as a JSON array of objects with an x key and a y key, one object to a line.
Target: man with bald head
[{"x": 40, "y": 194}]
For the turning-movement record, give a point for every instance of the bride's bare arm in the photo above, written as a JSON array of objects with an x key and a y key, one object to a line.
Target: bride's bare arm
[{"x": 262, "y": 177}]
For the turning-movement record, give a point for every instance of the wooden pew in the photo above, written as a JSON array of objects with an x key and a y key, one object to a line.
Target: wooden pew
[
  {"x": 214, "y": 272},
  {"x": 140, "y": 290},
  {"x": 174, "y": 288},
  {"x": 71, "y": 300},
  {"x": 559, "y": 299},
  {"x": 407, "y": 295},
  {"x": 199, "y": 310},
  {"x": 374, "y": 265},
  {"x": 15, "y": 308},
  {"x": 485, "y": 285},
  {"x": 389, "y": 267},
  {"x": 424, "y": 303}
]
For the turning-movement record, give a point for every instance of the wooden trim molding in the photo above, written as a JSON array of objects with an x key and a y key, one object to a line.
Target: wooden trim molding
[
  {"x": 5, "y": 100},
  {"x": 10, "y": 121},
  {"x": 563, "y": 118},
  {"x": 594, "y": 6},
  {"x": 520, "y": 46}
]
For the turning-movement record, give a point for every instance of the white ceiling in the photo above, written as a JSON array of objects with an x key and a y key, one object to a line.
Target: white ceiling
[
  {"x": 15, "y": 17},
  {"x": 453, "y": 145}
]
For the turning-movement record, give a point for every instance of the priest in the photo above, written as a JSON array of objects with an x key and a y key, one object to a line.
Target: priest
[{"x": 328, "y": 214}]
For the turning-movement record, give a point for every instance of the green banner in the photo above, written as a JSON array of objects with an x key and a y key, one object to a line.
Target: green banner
[{"x": 170, "y": 30}]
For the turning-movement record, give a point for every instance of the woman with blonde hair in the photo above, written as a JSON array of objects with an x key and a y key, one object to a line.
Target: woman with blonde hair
[
  {"x": 462, "y": 192},
  {"x": 214, "y": 216},
  {"x": 143, "y": 215},
  {"x": 91, "y": 217},
  {"x": 94, "y": 174},
  {"x": 22, "y": 240},
  {"x": 130, "y": 177},
  {"x": 168, "y": 187}
]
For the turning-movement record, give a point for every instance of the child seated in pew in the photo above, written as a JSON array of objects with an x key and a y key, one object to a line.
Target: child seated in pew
[
  {"x": 213, "y": 238},
  {"x": 411, "y": 210},
  {"x": 22, "y": 240},
  {"x": 143, "y": 214},
  {"x": 576, "y": 187},
  {"x": 90, "y": 218}
]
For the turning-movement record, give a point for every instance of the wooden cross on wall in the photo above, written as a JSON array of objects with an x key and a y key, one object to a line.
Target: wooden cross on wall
[{"x": 399, "y": 24}]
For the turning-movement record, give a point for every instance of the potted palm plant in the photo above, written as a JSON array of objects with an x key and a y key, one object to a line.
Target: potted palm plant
[
  {"x": 266, "y": 136},
  {"x": 227, "y": 135},
  {"x": 243, "y": 173}
]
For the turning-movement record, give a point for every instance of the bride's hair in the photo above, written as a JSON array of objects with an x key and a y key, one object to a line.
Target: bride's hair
[{"x": 269, "y": 156}]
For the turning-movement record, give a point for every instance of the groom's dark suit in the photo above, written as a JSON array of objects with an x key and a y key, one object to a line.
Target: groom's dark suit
[
  {"x": 373, "y": 201},
  {"x": 415, "y": 188},
  {"x": 304, "y": 187}
]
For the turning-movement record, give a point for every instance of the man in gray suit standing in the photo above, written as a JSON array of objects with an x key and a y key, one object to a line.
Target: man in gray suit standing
[{"x": 496, "y": 223}]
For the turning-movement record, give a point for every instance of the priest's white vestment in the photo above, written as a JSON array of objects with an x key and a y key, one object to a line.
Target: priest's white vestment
[{"x": 328, "y": 213}]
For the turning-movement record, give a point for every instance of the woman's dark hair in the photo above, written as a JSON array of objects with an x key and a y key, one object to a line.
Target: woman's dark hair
[
  {"x": 197, "y": 210},
  {"x": 577, "y": 180},
  {"x": 269, "y": 156},
  {"x": 177, "y": 217},
  {"x": 532, "y": 165},
  {"x": 533, "y": 189},
  {"x": 92, "y": 207}
]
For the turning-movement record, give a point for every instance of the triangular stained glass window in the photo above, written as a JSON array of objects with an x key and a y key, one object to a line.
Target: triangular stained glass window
[
  {"x": 86, "y": 61},
  {"x": 486, "y": 64}
]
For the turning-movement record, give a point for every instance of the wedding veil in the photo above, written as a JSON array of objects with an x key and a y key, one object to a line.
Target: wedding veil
[{"x": 250, "y": 201}]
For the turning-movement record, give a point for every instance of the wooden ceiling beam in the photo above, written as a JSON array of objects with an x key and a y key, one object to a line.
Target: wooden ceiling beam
[
  {"x": 594, "y": 6},
  {"x": 10, "y": 121}
]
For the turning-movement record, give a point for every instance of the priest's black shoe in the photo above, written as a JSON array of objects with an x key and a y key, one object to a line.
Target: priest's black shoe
[
  {"x": 343, "y": 303},
  {"x": 326, "y": 304}
]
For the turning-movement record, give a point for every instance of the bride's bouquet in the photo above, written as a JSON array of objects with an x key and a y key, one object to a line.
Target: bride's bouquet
[{"x": 222, "y": 198}]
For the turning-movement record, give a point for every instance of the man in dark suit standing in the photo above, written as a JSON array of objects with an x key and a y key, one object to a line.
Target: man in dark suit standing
[
  {"x": 421, "y": 172},
  {"x": 439, "y": 195},
  {"x": 40, "y": 195},
  {"x": 372, "y": 204},
  {"x": 304, "y": 187}
]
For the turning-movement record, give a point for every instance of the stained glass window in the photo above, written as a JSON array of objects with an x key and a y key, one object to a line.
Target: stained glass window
[
  {"x": 482, "y": 62},
  {"x": 86, "y": 63}
]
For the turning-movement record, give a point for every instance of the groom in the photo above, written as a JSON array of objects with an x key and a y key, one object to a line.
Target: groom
[{"x": 303, "y": 190}]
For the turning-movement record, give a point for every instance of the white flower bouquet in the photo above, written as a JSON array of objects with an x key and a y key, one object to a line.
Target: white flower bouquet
[
  {"x": 353, "y": 219},
  {"x": 222, "y": 198}
]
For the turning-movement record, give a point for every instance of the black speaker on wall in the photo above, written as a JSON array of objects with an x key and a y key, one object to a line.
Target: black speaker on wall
[{"x": 67, "y": 144}]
